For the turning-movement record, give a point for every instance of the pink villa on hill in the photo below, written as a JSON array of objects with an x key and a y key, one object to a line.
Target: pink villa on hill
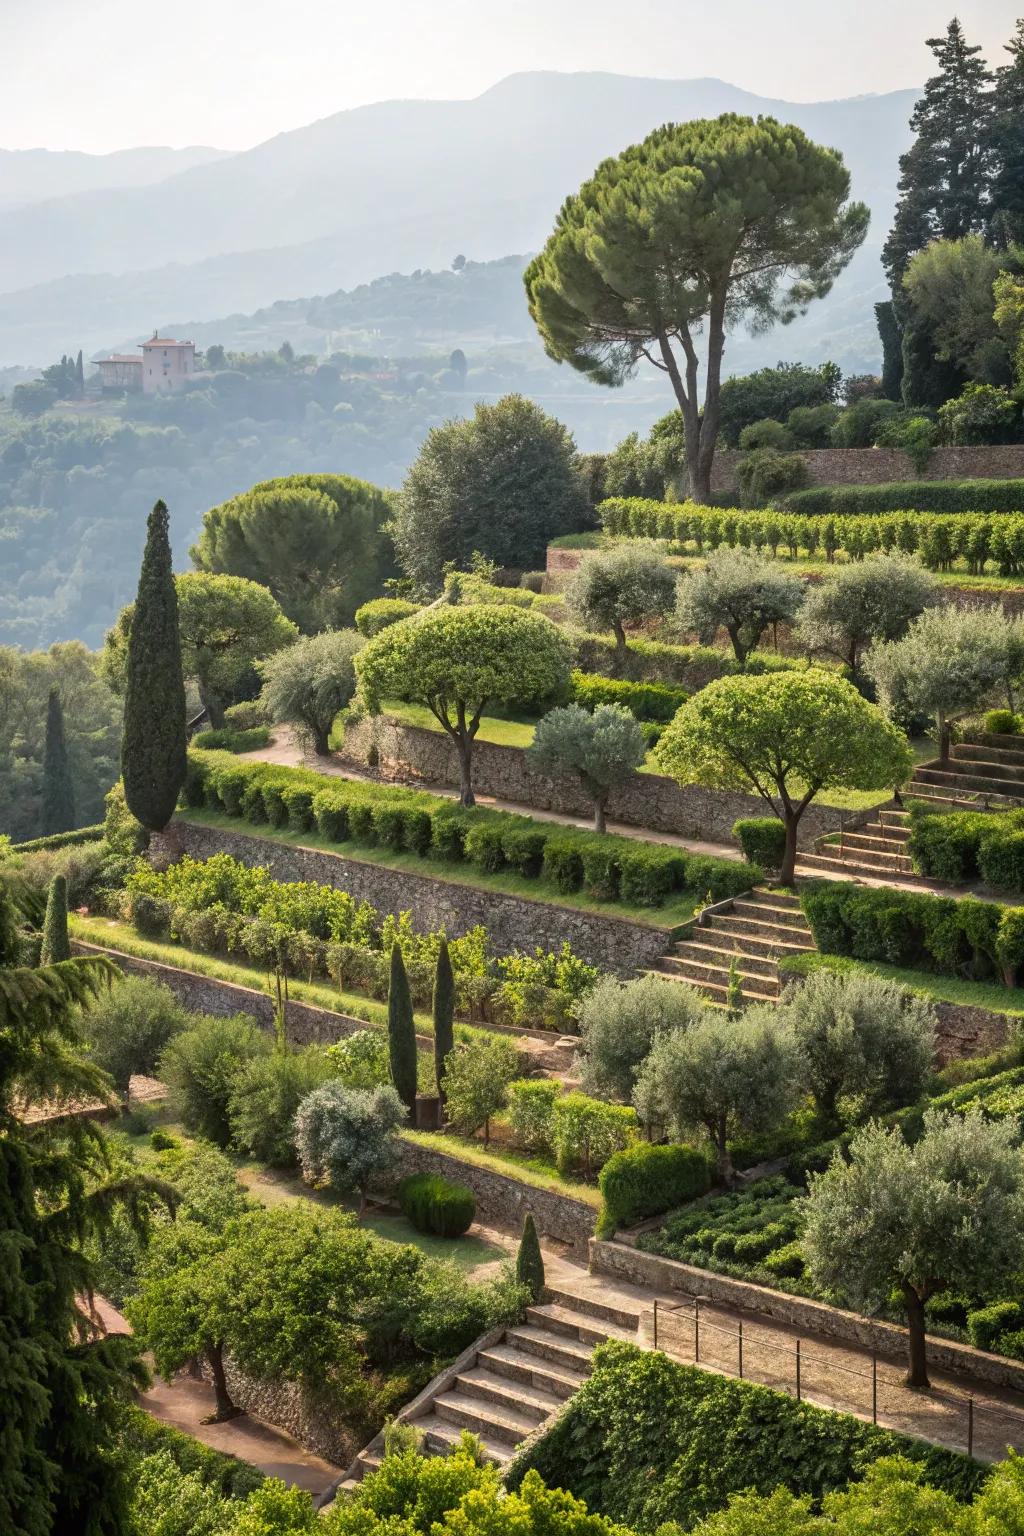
[{"x": 164, "y": 366}]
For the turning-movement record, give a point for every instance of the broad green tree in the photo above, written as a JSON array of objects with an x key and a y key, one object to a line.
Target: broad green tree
[
  {"x": 720, "y": 1077},
  {"x": 307, "y": 683},
  {"x": 868, "y": 600},
  {"x": 457, "y": 661},
  {"x": 618, "y": 1024},
  {"x": 128, "y": 1028},
  {"x": 57, "y": 810},
  {"x": 786, "y": 736},
  {"x": 944, "y": 1214},
  {"x": 951, "y": 662},
  {"x": 226, "y": 624},
  {"x": 346, "y": 1137},
  {"x": 153, "y": 757},
  {"x": 317, "y": 541},
  {"x": 56, "y": 944},
  {"x": 602, "y": 748},
  {"x": 476, "y": 1081},
  {"x": 401, "y": 1031},
  {"x": 627, "y": 584},
  {"x": 702, "y": 225},
  {"x": 199, "y": 1064},
  {"x": 949, "y": 287},
  {"x": 740, "y": 592},
  {"x": 500, "y": 484}
]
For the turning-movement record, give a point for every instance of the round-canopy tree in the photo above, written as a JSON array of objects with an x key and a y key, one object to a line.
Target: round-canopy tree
[
  {"x": 602, "y": 749},
  {"x": 316, "y": 541},
  {"x": 456, "y": 661},
  {"x": 740, "y": 593},
  {"x": 623, "y": 585},
  {"x": 868, "y": 600},
  {"x": 309, "y": 682},
  {"x": 226, "y": 624},
  {"x": 501, "y": 484},
  {"x": 787, "y": 736},
  {"x": 703, "y": 224}
]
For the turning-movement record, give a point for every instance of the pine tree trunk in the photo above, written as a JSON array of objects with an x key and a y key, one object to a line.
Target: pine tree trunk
[{"x": 917, "y": 1358}]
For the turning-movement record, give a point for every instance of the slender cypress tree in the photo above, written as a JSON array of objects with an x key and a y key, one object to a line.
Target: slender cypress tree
[
  {"x": 444, "y": 1015},
  {"x": 401, "y": 1032},
  {"x": 56, "y": 945},
  {"x": 529, "y": 1259},
  {"x": 57, "y": 810},
  {"x": 153, "y": 745},
  {"x": 79, "y": 374}
]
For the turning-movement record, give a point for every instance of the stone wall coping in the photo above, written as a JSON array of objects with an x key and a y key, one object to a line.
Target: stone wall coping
[{"x": 661, "y": 1274}]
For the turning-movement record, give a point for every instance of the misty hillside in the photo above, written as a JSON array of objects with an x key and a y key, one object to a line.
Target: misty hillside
[
  {"x": 33, "y": 175},
  {"x": 395, "y": 185}
]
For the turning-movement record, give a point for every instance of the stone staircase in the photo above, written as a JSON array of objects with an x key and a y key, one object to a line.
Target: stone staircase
[
  {"x": 509, "y": 1389},
  {"x": 754, "y": 931},
  {"x": 877, "y": 850},
  {"x": 986, "y": 771}
]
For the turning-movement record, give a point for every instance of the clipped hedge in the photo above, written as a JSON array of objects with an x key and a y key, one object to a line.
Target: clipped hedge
[
  {"x": 434, "y": 1205},
  {"x": 690, "y": 667},
  {"x": 966, "y": 937},
  {"x": 231, "y": 739},
  {"x": 960, "y": 846},
  {"x": 60, "y": 840},
  {"x": 646, "y": 1441},
  {"x": 939, "y": 539},
  {"x": 379, "y": 612},
  {"x": 413, "y": 821},
  {"x": 139, "y": 1434},
  {"x": 645, "y": 1180},
  {"x": 762, "y": 839},
  {"x": 656, "y": 702}
]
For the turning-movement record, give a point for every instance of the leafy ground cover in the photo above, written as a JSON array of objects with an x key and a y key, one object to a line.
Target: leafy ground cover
[{"x": 535, "y": 1171}]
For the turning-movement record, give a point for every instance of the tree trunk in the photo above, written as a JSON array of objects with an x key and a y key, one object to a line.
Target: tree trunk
[
  {"x": 732, "y": 630},
  {"x": 917, "y": 1360},
  {"x": 226, "y": 1409},
  {"x": 464, "y": 747},
  {"x": 944, "y": 738},
  {"x": 214, "y": 708},
  {"x": 725, "y": 1170},
  {"x": 599, "y": 810},
  {"x": 321, "y": 741},
  {"x": 787, "y": 874},
  {"x": 362, "y": 1201},
  {"x": 620, "y": 646}
]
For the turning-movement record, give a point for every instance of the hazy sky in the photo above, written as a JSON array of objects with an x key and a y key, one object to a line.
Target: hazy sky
[{"x": 104, "y": 74}]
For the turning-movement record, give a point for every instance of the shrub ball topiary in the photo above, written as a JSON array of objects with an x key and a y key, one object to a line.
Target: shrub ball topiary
[{"x": 433, "y": 1205}]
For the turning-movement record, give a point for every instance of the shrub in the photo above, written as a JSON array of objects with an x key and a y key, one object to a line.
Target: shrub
[
  {"x": 265, "y": 1096},
  {"x": 766, "y": 434},
  {"x": 649, "y": 872},
  {"x": 377, "y": 614},
  {"x": 1001, "y": 859},
  {"x": 433, "y": 1205},
  {"x": 647, "y": 701},
  {"x": 1002, "y": 722},
  {"x": 530, "y": 1260},
  {"x": 645, "y": 1180},
  {"x": 200, "y": 1066},
  {"x": 531, "y": 1104},
  {"x": 245, "y": 716},
  {"x": 129, "y": 1024},
  {"x": 986, "y": 1324},
  {"x": 563, "y": 862},
  {"x": 762, "y": 839},
  {"x": 766, "y": 473},
  {"x": 230, "y": 739},
  {"x": 151, "y": 915},
  {"x": 721, "y": 877},
  {"x": 585, "y": 1132},
  {"x": 787, "y": 1262}
]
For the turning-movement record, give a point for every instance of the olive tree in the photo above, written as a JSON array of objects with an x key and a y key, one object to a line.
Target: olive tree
[
  {"x": 618, "y": 1024},
  {"x": 625, "y": 584},
  {"x": 865, "y": 1043},
  {"x": 701, "y": 225},
  {"x": 951, "y": 662},
  {"x": 307, "y": 684},
  {"x": 345, "y": 1137},
  {"x": 721, "y": 1077},
  {"x": 456, "y": 661},
  {"x": 869, "y": 600},
  {"x": 476, "y": 1079},
  {"x": 127, "y": 1028},
  {"x": 944, "y": 1214},
  {"x": 787, "y": 736},
  {"x": 603, "y": 748},
  {"x": 739, "y": 592}
]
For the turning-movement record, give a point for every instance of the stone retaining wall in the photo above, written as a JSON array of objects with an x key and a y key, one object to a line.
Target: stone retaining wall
[
  {"x": 512, "y": 922},
  {"x": 879, "y": 466},
  {"x": 503, "y": 1200},
  {"x": 648, "y": 800},
  {"x": 623, "y": 1262},
  {"x": 287, "y": 1405},
  {"x": 964, "y": 1030}
]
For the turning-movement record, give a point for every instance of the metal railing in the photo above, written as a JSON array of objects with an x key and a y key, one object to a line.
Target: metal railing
[{"x": 985, "y": 1429}]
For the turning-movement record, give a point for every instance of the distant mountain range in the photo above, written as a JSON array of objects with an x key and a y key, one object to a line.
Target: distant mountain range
[
  {"x": 398, "y": 185},
  {"x": 35, "y": 175}
]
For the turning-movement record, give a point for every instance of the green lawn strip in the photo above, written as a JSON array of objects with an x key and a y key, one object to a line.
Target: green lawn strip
[
  {"x": 499, "y": 730},
  {"x": 670, "y": 916},
  {"x": 111, "y": 934},
  {"x": 940, "y": 989},
  {"x": 528, "y": 1170},
  {"x": 591, "y": 540}
]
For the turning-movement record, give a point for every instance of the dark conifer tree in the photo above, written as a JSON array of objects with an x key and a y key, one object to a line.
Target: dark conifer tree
[
  {"x": 56, "y": 944},
  {"x": 401, "y": 1032},
  {"x": 153, "y": 745},
  {"x": 530, "y": 1260},
  {"x": 444, "y": 1015},
  {"x": 80, "y": 374},
  {"x": 57, "y": 808},
  {"x": 1006, "y": 215}
]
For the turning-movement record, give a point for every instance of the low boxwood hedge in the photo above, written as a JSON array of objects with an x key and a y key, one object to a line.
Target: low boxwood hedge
[
  {"x": 230, "y": 739},
  {"x": 646, "y": 1180}
]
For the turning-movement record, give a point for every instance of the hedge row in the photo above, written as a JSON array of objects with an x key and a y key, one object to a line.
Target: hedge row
[
  {"x": 649, "y": 702},
  {"x": 231, "y": 739},
  {"x": 960, "y": 846},
  {"x": 979, "y": 939},
  {"x": 898, "y": 495},
  {"x": 608, "y": 868},
  {"x": 579, "y": 1132},
  {"x": 60, "y": 840},
  {"x": 938, "y": 538},
  {"x": 646, "y": 1180},
  {"x": 690, "y": 667}
]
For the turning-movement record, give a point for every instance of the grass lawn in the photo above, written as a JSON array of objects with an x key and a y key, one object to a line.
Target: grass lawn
[
  {"x": 529, "y": 1170},
  {"x": 672, "y": 915},
  {"x": 940, "y": 989},
  {"x": 512, "y": 730}
]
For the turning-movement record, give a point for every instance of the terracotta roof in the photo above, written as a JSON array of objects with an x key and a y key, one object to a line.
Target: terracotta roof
[{"x": 165, "y": 341}]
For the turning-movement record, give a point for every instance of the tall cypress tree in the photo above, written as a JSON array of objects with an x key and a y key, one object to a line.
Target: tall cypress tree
[
  {"x": 944, "y": 175},
  {"x": 153, "y": 745},
  {"x": 401, "y": 1032},
  {"x": 56, "y": 944},
  {"x": 1006, "y": 214},
  {"x": 57, "y": 809},
  {"x": 80, "y": 374},
  {"x": 530, "y": 1260},
  {"x": 444, "y": 1015}
]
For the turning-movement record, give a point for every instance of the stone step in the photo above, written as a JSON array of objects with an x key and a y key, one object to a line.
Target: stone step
[
  {"x": 878, "y": 838},
  {"x": 531, "y": 1402},
  {"x": 777, "y": 897},
  {"x": 988, "y": 750},
  {"x": 928, "y": 795},
  {"x": 958, "y": 782},
  {"x": 561, "y": 1380},
  {"x": 717, "y": 973},
  {"x": 625, "y": 1313},
  {"x": 716, "y": 992},
  {"x": 1007, "y": 743},
  {"x": 764, "y": 912},
  {"x": 569, "y": 1323},
  {"x": 815, "y": 863},
  {"x": 561, "y": 1351},
  {"x": 981, "y": 760},
  {"x": 884, "y": 859},
  {"x": 441, "y": 1436},
  {"x": 707, "y": 952},
  {"x": 894, "y": 819},
  {"x": 754, "y": 927},
  {"x": 746, "y": 943},
  {"x": 507, "y": 1425}
]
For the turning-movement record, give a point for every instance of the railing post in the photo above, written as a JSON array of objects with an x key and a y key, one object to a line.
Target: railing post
[
  {"x": 696, "y": 1330},
  {"x": 970, "y": 1426},
  {"x": 741, "y": 1349},
  {"x": 798, "y": 1370},
  {"x": 655, "y": 1322},
  {"x": 874, "y": 1388}
]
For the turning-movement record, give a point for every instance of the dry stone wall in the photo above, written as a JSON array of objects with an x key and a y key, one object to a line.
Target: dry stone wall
[
  {"x": 286, "y": 1404},
  {"x": 879, "y": 466},
  {"x": 648, "y": 800}
]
